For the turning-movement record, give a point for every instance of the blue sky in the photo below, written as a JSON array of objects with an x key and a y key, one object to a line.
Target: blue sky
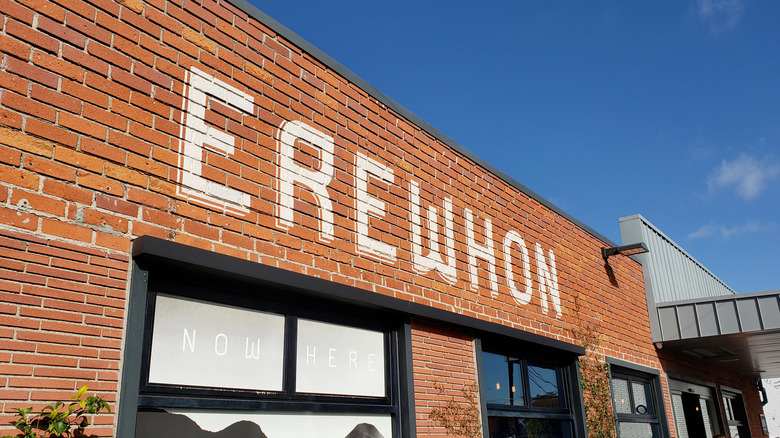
[{"x": 669, "y": 109}]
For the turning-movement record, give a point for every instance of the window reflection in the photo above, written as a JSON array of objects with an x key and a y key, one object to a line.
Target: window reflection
[
  {"x": 503, "y": 379},
  {"x": 543, "y": 385}
]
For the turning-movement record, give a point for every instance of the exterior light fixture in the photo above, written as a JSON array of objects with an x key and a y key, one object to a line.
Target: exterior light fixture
[{"x": 627, "y": 250}]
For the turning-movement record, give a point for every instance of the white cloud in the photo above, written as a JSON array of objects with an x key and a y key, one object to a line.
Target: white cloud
[
  {"x": 721, "y": 15},
  {"x": 719, "y": 230},
  {"x": 747, "y": 175}
]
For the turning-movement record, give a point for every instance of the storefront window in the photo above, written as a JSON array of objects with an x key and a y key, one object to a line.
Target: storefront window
[
  {"x": 525, "y": 398},
  {"x": 635, "y": 403},
  {"x": 217, "y": 364},
  {"x": 736, "y": 419}
]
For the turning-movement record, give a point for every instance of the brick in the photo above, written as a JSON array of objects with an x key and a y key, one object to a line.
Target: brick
[
  {"x": 114, "y": 242},
  {"x": 133, "y": 82},
  {"x": 126, "y": 175},
  {"x": 111, "y": 56},
  {"x": 141, "y": 196},
  {"x": 100, "y": 183},
  {"x": 88, "y": 28},
  {"x": 32, "y": 36},
  {"x": 78, "y": 159},
  {"x": 134, "y": 5},
  {"x": 55, "y": 28},
  {"x": 19, "y": 12},
  {"x": 50, "y": 132},
  {"x": 85, "y": 60},
  {"x": 104, "y": 117},
  {"x": 19, "y": 178},
  {"x": 116, "y": 205},
  {"x": 14, "y": 47},
  {"x": 10, "y": 119},
  {"x": 66, "y": 230},
  {"x": 117, "y": 27},
  {"x": 24, "y": 142},
  {"x": 199, "y": 40},
  {"x": 35, "y": 202},
  {"x": 29, "y": 107},
  {"x": 55, "y": 99},
  {"x": 83, "y": 126},
  {"x": 50, "y": 168},
  {"x": 85, "y": 94}
]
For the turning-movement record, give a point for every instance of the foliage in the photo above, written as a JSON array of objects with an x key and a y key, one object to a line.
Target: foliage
[
  {"x": 594, "y": 379},
  {"x": 59, "y": 419},
  {"x": 460, "y": 419}
]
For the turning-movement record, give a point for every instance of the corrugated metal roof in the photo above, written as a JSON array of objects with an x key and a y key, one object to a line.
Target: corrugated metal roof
[{"x": 673, "y": 273}]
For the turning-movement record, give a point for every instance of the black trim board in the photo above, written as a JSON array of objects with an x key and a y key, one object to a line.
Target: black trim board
[
  {"x": 347, "y": 74},
  {"x": 153, "y": 249},
  {"x": 632, "y": 366}
]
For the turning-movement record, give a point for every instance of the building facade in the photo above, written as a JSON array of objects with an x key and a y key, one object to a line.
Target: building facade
[{"x": 219, "y": 229}]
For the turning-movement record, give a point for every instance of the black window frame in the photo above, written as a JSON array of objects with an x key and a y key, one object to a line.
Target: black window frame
[
  {"x": 632, "y": 373},
  {"x": 734, "y": 411},
  {"x": 170, "y": 395},
  {"x": 569, "y": 393},
  {"x": 159, "y": 276}
]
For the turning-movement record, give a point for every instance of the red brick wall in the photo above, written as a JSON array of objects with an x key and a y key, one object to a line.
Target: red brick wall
[
  {"x": 61, "y": 318},
  {"x": 91, "y": 95},
  {"x": 444, "y": 366}
]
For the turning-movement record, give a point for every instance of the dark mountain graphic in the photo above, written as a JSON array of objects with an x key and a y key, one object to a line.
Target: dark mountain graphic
[
  {"x": 156, "y": 423},
  {"x": 365, "y": 430}
]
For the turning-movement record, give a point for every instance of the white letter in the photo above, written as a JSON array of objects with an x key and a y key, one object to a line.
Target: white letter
[
  {"x": 249, "y": 351},
  {"x": 522, "y": 297},
  {"x": 216, "y": 344},
  {"x": 197, "y": 135},
  {"x": 331, "y": 357},
  {"x": 311, "y": 354},
  {"x": 353, "y": 360},
  {"x": 289, "y": 173},
  {"x": 371, "y": 362},
  {"x": 485, "y": 252},
  {"x": 188, "y": 340},
  {"x": 548, "y": 280},
  {"x": 367, "y": 205},
  {"x": 434, "y": 259}
]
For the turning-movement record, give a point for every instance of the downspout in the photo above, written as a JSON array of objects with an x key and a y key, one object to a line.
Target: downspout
[{"x": 762, "y": 390}]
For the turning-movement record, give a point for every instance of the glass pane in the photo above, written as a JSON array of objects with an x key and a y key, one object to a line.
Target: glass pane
[
  {"x": 727, "y": 407},
  {"x": 505, "y": 427},
  {"x": 635, "y": 430},
  {"x": 502, "y": 377},
  {"x": 679, "y": 416},
  {"x": 543, "y": 386},
  {"x": 705, "y": 415},
  {"x": 197, "y": 343},
  {"x": 642, "y": 398},
  {"x": 620, "y": 396},
  {"x": 335, "y": 359}
]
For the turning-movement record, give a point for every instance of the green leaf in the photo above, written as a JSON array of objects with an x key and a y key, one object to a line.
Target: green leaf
[{"x": 82, "y": 391}]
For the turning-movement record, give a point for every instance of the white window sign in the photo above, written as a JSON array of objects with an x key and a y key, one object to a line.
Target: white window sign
[
  {"x": 196, "y": 343},
  {"x": 246, "y": 424},
  {"x": 334, "y": 359}
]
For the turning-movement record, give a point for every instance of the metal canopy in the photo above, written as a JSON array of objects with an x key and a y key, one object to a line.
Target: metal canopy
[{"x": 740, "y": 332}]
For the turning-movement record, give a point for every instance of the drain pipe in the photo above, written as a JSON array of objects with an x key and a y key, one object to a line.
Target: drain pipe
[{"x": 762, "y": 390}]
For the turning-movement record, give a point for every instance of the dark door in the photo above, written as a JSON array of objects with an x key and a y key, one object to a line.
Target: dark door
[{"x": 693, "y": 417}]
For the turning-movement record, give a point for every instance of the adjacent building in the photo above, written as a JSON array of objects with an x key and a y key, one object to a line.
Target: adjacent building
[{"x": 224, "y": 232}]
